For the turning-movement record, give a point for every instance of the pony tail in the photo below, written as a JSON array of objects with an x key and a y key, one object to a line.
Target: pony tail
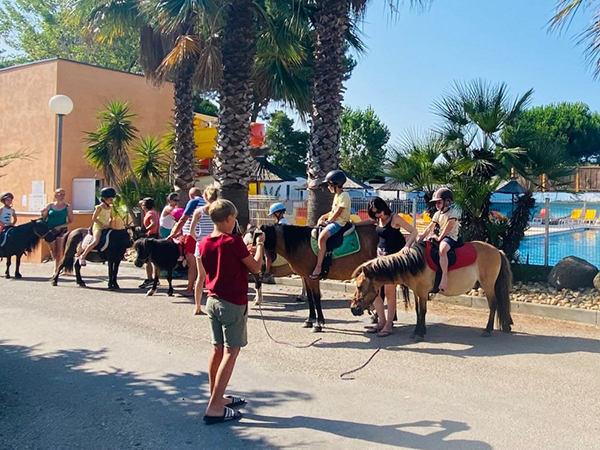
[{"x": 502, "y": 292}]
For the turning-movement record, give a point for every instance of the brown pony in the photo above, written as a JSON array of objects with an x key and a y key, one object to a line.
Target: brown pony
[
  {"x": 491, "y": 269},
  {"x": 293, "y": 243}
]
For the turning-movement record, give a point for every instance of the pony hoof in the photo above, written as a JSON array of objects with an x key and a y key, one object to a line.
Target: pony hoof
[
  {"x": 507, "y": 330},
  {"x": 418, "y": 338},
  {"x": 18, "y": 276},
  {"x": 486, "y": 333},
  {"x": 170, "y": 294},
  {"x": 150, "y": 293},
  {"x": 54, "y": 283},
  {"x": 7, "y": 277},
  {"x": 307, "y": 324},
  {"x": 81, "y": 285},
  {"x": 317, "y": 329},
  {"x": 299, "y": 299}
]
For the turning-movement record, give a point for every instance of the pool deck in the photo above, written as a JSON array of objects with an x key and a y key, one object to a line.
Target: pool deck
[{"x": 539, "y": 230}]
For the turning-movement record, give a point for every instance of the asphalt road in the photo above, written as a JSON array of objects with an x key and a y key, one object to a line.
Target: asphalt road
[{"x": 92, "y": 369}]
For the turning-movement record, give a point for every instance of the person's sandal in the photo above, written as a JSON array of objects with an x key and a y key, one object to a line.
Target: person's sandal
[
  {"x": 235, "y": 401},
  {"x": 228, "y": 416}
]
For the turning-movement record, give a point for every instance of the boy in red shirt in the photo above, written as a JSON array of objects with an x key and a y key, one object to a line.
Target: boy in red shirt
[{"x": 226, "y": 261}]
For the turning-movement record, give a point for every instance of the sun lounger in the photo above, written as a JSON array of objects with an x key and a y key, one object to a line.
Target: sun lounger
[
  {"x": 539, "y": 220},
  {"x": 590, "y": 216},
  {"x": 575, "y": 217}
]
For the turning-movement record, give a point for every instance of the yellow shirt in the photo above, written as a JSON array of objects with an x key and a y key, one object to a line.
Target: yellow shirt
[
  {"x": 342, "y": 200},
  {"x": 103, "y": 217}
]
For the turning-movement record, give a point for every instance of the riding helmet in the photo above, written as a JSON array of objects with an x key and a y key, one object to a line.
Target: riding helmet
[
  {"x": 336, "y": 178},
  {"x": 108, "y": 192},
  {"x": 276, "y": 207},
  {"x": 6, "y": 195},
  {"x": 442, "y": 194}
]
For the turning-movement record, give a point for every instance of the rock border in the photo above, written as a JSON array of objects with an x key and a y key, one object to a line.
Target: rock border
[{"x": 585, "y": 316}]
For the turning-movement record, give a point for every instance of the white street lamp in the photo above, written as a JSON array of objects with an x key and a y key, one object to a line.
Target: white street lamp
[{"x": 61, "y": 105}]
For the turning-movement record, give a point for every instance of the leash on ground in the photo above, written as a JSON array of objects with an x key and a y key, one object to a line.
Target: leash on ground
[
  {"x": 358, "y": 368},
  {"x": 282, "y": 342}
]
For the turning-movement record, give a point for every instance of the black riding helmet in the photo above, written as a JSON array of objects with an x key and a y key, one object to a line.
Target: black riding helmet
[
  {"x": 336, "y": 178},
  {"x": 443, "y": 194},
  {"x": 108, "y": 192}
]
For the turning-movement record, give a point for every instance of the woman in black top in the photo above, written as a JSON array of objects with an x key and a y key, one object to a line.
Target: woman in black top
[{"x": 389, "y": 228}]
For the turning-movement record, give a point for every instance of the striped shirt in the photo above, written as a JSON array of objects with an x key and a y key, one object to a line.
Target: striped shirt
[
  {"x": 206, "y": 225},
  {"x": 191, "y": 206}
]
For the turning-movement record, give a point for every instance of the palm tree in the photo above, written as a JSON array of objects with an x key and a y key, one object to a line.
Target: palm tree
[
  {"x": 110, "y": 144},
  {"x": 590, "y": 37},
  {"x": 474, "y": 115},
  {"x": 331, "y": 22},
  {"x": 151, "y": 161}
]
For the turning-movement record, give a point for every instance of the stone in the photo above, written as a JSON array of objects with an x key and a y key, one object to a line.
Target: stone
[
  {"x": 597, "y": 281},
  {"x": 572, "y": 273}
]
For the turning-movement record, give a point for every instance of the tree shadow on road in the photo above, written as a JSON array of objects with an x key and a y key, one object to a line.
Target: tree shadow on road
[
  {"x": 466, "y": 342},
  {"x": 59, "y": 400},
  {"x": 433, "y": 434}
]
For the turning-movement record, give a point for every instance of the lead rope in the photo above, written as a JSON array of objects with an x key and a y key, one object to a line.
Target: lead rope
[
  {"x": 358, "y": 368},
  {"x": 283, "y": 342}
]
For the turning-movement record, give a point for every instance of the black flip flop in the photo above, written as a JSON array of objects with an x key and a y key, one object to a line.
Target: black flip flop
[
  {"x": 228, "y": 416},
  {"x": 235, "y": 401}
]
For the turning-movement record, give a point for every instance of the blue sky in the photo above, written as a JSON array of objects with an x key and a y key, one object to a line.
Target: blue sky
[{"x": 414, "y": 59}]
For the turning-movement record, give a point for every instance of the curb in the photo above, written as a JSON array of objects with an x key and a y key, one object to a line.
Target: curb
[{"x": 584, "y": 316}]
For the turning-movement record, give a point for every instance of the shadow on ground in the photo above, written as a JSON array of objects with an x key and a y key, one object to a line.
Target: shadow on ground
[{"x": 57, "y": 400}]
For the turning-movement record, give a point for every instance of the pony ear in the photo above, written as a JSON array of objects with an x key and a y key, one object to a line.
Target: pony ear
[{"x": 358, "y": 271}]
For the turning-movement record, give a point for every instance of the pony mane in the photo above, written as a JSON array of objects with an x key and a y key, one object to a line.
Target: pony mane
[
  {"x": 34, "y": 241},
  {"x": 293, "y": 236},
  {"x": 396, "y": 264}
]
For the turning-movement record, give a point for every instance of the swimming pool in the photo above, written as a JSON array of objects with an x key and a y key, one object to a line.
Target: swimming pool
[{"x": 584, "y": 244}]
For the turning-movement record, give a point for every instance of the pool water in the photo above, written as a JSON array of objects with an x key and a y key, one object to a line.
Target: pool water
[{"x": 584, "y": 244}]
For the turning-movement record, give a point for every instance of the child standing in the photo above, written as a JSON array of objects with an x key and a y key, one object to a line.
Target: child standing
[
  {"x": 101, "y": 220},
  {"x": 277, "y": 211},
  {"x": 226, "y": 261},
  {"x": 445, "y": 227},
  {"x": 8, "y": 216},
  {"x": 167, "y": 220},
  {"x": 151, "y": 225},
  {"x": 334, "y": 220}
]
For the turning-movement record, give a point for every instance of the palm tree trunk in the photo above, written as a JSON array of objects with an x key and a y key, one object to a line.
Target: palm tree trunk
[
  {"x": 185, "y": 146},
  {"x": 232, "y": 156},
  {"x": 323, "y": 155}
]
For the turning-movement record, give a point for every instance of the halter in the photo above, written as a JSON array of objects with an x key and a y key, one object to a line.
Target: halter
[{"x": 42, "y": 236}]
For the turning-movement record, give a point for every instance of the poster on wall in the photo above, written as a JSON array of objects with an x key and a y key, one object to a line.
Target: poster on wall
[{"x": 37, "y": 198}]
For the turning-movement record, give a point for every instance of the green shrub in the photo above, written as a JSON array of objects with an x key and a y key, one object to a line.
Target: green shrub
[{"x": 527, "y": 273}]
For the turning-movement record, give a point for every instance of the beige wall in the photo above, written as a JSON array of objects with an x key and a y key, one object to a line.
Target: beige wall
[
  {"x": 26, "y": 124},
  {"x": 26, "y": 90}
]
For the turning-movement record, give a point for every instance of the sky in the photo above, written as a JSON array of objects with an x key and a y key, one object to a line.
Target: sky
[{"x": 414, "y": 59}]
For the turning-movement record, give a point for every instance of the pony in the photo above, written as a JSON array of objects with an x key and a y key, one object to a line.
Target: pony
[
  {"x": 20, "y": 239},
  {"x": 119, "y": 242},
  {"x": 293, "y": 243},
  {"x": 491, "y": 269},
  {"x": 163, "y": 255},
  {"x": 277, "y": 271}
]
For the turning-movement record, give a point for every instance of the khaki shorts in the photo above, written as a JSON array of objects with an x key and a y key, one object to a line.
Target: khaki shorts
[{"x": 227, "y": 322}]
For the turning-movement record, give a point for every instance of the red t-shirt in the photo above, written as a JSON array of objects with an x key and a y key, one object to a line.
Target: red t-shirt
[
  {"x": 226, "y": 274},
  {"x": 147, "y": 219}
]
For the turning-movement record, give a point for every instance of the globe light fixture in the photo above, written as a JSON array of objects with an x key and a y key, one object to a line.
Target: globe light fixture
[{"x": 61, "y": 105}]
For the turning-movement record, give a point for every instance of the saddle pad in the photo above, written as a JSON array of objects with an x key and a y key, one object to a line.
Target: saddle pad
[
  {"x": 279, "y": 261},
  {"x": 102, "y": 245},
  {"x": 350, "y": 245},
  {"x": 463, "y": 256}
]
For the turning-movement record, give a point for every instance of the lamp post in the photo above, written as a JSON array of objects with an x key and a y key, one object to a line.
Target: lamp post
[{"x": 61, "y": 105}]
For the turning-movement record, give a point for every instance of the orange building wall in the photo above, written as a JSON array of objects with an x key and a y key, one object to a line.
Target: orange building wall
[
  {"x": 27, "y": 125},
  {"x": 91, "y": 89}
]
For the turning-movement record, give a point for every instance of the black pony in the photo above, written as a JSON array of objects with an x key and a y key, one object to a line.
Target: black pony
[
  {"x": 118, "y": 243},
  {"x": 23, "y": 239},
  {"x": 163, "y": 255}
]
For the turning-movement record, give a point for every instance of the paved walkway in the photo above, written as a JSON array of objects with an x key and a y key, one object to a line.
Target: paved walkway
[{"x": 90, "y": 369}]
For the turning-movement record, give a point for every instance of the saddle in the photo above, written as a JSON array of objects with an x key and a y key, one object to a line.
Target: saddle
[
  {"x": 104, "y": 240},
  {"x": 460, "y": 256},
  {"x": 343, "y": 243}
]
